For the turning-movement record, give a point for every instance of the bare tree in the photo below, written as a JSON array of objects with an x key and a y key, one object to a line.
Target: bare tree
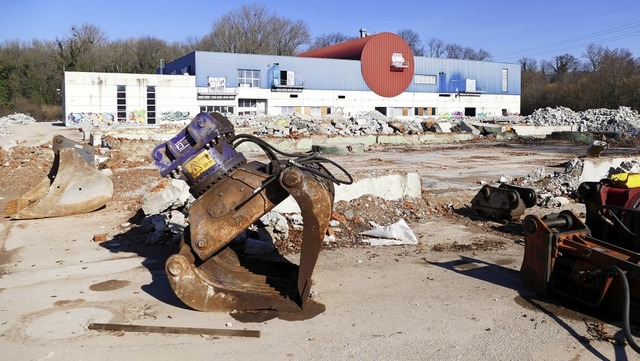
[
  {"x": 528, "y": 64},
  {"x": 562, "y": 65},
  {"x": 413, "y": 40},
  {"x": 78, "y": 50},
  {"x": 435, "y": 48},
  {"x": 594, "y": 54},
  {"x": 251, "y": 29},
  {"x": 454, "y": 51},
  {"x": 482, "y": 55},
  {"x": 325, "y": 40},
  {"x": 288, "y": 35}
]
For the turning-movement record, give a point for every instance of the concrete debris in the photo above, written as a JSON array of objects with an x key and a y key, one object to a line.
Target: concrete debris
[
  {"x": 597, "y": 147},
  {"x": 168, "y": 194},
  {"x": 623, "y": 119},
  {"x": 273, "y": 227},
  {"x": 15, "y": 118},
  {"x": 551, "y": 186},
  {"x": 469, "y": 128}
]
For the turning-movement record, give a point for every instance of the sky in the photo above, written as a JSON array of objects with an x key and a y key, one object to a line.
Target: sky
[{"x": 508, "y": 30}]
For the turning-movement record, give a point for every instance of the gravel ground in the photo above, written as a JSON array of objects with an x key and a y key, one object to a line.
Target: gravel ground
[{"x": 456, "y": 295}]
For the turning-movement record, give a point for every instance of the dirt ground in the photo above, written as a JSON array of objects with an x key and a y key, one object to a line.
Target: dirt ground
[{"x": 457, "y": 295}]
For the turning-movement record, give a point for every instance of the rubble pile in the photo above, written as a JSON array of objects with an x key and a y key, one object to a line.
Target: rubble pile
[
  {"x": 623, "y": 119},
  {"x": 16, "y": 118},
  {"x": 554, "y": 189},
  {"x": 360, "y": 124}
]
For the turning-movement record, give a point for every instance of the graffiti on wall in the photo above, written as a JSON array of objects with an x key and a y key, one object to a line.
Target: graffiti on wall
[
  {"x": 138, "y": 116},
  {"x": 174, "y": 116},
  {"x": 90, "y": 118}
]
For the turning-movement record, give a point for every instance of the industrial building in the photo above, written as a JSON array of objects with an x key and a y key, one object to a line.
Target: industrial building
[{"x": 374, "y": 72}]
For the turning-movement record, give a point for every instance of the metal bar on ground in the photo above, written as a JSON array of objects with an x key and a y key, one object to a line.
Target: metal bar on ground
[{"x": 179, "y": 330}]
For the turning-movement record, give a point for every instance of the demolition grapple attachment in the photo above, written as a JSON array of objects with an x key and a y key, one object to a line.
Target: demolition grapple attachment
[
  {"x": 72, "y": 186},
  {"x": 210, "y": 273}
]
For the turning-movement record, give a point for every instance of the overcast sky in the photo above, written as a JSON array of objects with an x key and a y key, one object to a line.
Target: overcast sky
[{"x": 508, "y": 30}]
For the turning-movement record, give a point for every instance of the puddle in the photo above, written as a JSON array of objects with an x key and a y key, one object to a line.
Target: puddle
[
  {"x": 311, "y": 310},
  {"x": 109, "y": 285},
  {"x": 504, "y": 261}
]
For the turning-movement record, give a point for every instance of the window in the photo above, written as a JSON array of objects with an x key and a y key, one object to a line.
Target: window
[
  {"x": 247, "y": 103},
  {"x": 121, "y": 97},
  {"x": 247, "y": 106},
  {"x": 421, "y": 111},
  {"x": 287, "y": 110},
  {"x": 151, "y": 104},
  {"x": 505, "y": 80},
  {"x": 315, "y": 111},
  {"x": 248, "y": 78},
  {"x": 217, "y": 108},
  {"x": 426, "y": 79}
]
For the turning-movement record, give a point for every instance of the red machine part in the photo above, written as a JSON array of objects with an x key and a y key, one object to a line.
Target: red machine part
[
  {"x": 613, "y": 213},
  {"x": 561, "y": 258}
]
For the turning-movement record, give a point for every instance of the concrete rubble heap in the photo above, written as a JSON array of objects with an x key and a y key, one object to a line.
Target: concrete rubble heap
[
  {"x": 623, "y": 119},
  {"x": 16, "y": 118}
]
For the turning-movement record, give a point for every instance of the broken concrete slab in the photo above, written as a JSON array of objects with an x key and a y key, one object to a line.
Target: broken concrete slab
[
  {"x": 468, "y": 127},
  {"x": 595, "y": 169},
  {"x": 538, "y": 131},
  {"x": 389, "y": 187},
  {"x": 167, "y": 194},
  {"x": 442, "y": 127}
]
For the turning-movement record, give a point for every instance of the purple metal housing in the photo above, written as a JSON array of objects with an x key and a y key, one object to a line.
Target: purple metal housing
[{"x": 200, "y": 153}]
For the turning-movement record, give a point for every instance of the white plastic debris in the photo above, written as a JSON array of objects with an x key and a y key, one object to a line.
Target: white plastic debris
[{"x": 397, "y": 233}]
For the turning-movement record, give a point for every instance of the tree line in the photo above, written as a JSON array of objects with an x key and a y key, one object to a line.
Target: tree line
[{"x": 31, "y": 73}]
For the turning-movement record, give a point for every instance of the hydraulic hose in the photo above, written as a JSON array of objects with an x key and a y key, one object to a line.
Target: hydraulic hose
[
  {"x": 626, "y": 304},
  {"x": 307, "y": 161}
]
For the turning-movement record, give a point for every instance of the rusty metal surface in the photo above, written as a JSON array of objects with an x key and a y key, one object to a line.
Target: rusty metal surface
[
  {"x": 176, "y": 330},
  {"x": 562, "y": 258},
  {"x": 499, "y": 203},
  {"x": 315, "y": 198},
  {"x": 527, "y": 195},
  {"x": 73, "y": 186},
  {"x": 209, "y": 275},
  {"x": 231, "y": 206}
]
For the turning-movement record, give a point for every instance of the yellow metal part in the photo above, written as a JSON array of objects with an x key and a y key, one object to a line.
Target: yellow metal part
[{"x": 626, "y": 180}]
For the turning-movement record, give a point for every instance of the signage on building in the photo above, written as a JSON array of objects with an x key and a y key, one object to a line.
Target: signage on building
[
  {"x": 216, "y": 83},
  {"x": 398, "y": 62}
]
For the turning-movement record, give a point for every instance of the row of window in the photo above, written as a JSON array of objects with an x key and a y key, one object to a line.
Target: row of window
[{"x": 251, "y": 78}]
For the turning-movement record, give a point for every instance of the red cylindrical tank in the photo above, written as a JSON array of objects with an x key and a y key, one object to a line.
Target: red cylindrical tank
[{"x": 386, "y": 61}]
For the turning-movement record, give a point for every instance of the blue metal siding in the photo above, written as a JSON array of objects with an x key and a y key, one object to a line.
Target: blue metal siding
[
  {"x": 186, "y": 62},
  {"x": 339, "y": 74},
  {"x": 321, "y": 74},
  {"x": 488, "y": 75}
]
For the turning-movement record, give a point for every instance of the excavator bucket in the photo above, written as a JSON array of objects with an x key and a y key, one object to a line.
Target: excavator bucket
[
  {"x": 72, "y": 186},
  {"x": 211, "y": 273}
]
